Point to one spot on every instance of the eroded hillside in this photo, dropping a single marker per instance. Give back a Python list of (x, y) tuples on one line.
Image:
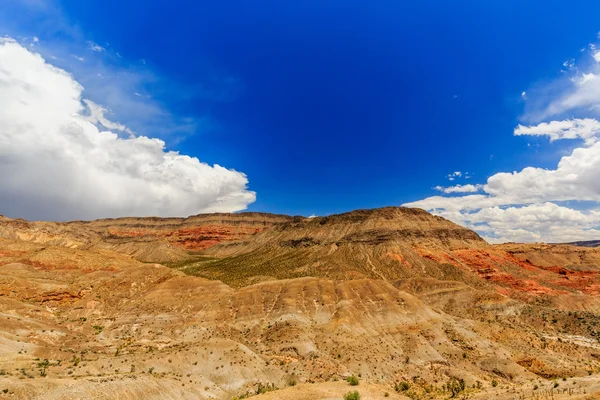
[(409, 303), (167, 240)]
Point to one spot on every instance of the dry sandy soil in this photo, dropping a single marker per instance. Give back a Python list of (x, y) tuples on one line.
[(233, 305)]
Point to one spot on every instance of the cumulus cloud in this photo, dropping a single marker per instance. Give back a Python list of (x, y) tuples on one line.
[(558, 204), (60, 157), (525, 205), (522, 193), (587, 129), (454, 175), (459, 189), (543, 222), (457, 175), (579, 91)]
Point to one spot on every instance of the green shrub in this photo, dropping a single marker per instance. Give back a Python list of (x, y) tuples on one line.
[(494, 383), (455, 386), (352, 380), (269, 387), (352, 395), (401, 386)]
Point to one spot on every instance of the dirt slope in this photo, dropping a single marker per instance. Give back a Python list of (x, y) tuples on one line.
[(408, 302), (164, 240)]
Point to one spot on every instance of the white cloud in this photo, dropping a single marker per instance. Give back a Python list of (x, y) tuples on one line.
[(59, 159), (96, 116), (459, 188), (111, 78), (587, 129), (576, 178), (569, 64), (458, 175), (454, 175), (542, 222), (580, 91), (541, 204), (95, 47)]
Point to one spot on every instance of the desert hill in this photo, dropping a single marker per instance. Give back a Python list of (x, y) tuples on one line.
[(225, 305), (147, 239), (586, 243), (383, 243)]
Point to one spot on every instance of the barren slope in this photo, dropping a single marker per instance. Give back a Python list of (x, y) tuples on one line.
[(107, 320), (391, 295), (166, 240), (381, 244), (404, 244)]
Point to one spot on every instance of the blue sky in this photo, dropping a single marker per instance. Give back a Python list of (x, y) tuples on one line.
[(327, 106)]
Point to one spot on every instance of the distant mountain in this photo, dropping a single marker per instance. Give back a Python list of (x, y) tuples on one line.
[(586, 243)]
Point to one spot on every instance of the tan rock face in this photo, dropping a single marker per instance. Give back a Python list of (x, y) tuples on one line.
[(390, 295), (165, 240)]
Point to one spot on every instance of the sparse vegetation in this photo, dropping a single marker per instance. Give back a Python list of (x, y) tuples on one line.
[(43, 365), (262, 388), (352, 395), (455, 386), (305, 330)]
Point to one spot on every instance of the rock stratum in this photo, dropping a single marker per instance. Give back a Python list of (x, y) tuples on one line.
[(220, 306)]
